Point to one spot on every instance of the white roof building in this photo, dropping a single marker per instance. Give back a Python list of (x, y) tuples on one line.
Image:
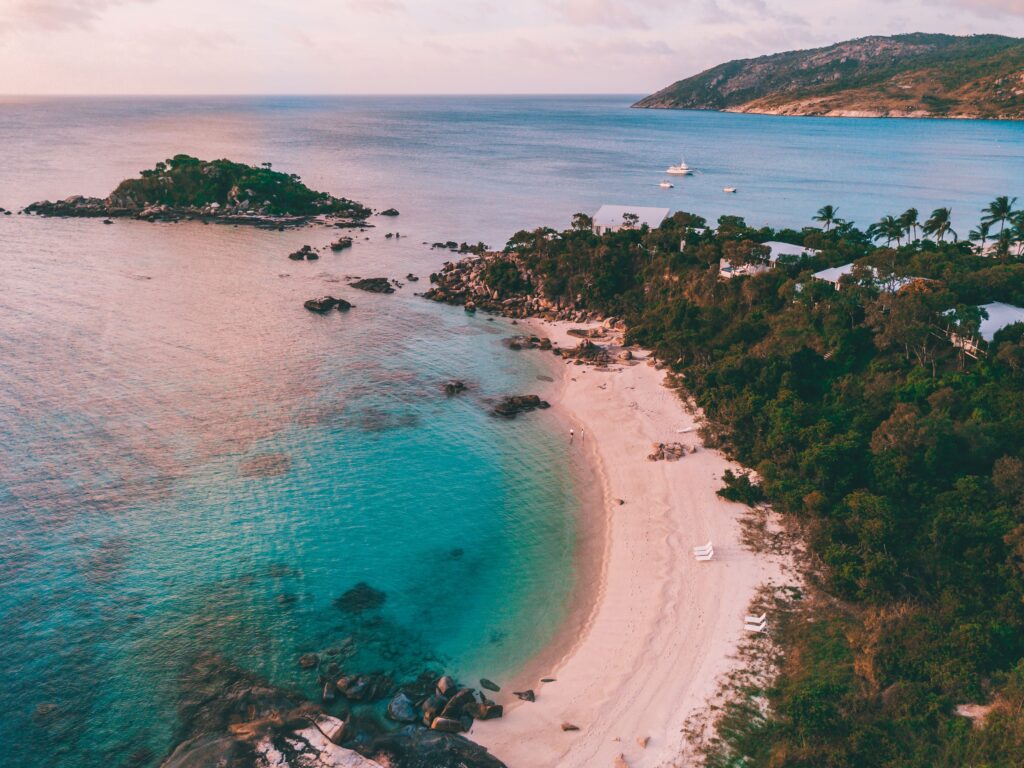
[(787, 249), (889, 284), (834, 274), (609, 217), (999, 316)]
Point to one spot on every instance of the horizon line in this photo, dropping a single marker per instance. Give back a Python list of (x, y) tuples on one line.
[(316, 95)]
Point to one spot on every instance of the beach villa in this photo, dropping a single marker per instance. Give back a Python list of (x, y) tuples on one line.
[(998, 316), (833, 275), (776, 250), (889, 284), (611, 218)]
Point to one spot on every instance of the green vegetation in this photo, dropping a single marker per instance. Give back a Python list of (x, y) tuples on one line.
[(187, 182), (901, 457), (916, 74)]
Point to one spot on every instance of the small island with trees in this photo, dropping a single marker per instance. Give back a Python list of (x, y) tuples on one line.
[(185, 187)]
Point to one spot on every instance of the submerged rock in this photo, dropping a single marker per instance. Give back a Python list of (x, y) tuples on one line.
[(489, 685), (341, 244), (362, 597), (389, 212), (454, 387)]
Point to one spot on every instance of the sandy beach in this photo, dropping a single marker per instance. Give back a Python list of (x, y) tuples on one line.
[(662, 628)]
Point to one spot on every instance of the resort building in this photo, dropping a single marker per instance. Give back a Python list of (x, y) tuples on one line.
[(997, 316), (834, 274), (611, 218), (889, 284), (776, 250)]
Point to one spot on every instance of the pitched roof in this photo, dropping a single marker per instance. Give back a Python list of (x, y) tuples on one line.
[(999, 316), (785, 249)]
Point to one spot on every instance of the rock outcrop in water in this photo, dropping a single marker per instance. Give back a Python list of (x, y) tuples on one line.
[(374, 285), (185, 187), (513, 405), (231, 719), (326, 304)]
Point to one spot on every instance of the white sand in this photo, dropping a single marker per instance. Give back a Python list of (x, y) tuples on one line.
[(664, 628)]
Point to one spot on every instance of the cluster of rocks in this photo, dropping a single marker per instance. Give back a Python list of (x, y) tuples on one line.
[(5, 212), (669, 451), (587, 352), (233, 719), (375, 285), (389, 212), (454, 247), (528, 342), (326, 304), (123, 206), (341, 244), (512, 405), (464, 283), (449, 707), (306, 252)]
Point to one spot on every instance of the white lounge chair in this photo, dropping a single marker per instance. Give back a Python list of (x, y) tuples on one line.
[(756, 623), (703, 557), (702, 549)]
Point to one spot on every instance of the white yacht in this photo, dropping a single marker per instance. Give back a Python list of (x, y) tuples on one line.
[(679, 170), (729, 190), (666, 184)]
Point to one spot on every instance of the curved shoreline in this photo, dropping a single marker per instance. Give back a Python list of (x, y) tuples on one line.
[(660, 630)]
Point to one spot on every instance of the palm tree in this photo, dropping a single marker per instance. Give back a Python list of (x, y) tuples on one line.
[(980, 235), (827, 216), (910, 221), (1017, 232), (888, 228), (939, 224), (999, 210)]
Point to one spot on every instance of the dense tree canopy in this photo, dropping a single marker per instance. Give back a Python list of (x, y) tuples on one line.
[(902, 456)]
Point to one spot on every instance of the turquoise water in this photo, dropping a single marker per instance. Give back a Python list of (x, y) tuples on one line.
[(143, 368)]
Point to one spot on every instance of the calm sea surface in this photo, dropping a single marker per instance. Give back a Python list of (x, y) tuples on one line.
[(191, 462)]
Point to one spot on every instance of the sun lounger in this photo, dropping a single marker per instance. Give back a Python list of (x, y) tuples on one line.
[(703, 557), (756, 623), (703, 548)]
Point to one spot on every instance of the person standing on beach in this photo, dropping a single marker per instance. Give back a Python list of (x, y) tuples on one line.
[(572, 435), (583, 436)]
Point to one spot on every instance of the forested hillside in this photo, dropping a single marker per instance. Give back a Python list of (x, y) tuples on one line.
[(900, 456)]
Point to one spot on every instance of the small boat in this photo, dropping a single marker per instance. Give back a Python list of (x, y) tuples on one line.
[(730, 190), (679, 170), (666, 184)]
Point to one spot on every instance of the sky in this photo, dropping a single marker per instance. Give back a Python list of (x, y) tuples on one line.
[(432, 46)]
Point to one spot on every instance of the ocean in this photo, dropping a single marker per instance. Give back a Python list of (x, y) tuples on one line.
[(192, 463)]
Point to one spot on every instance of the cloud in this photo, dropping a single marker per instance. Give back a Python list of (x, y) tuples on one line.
[(991, 8), (605, 13), (55, 15), (381, 7)]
